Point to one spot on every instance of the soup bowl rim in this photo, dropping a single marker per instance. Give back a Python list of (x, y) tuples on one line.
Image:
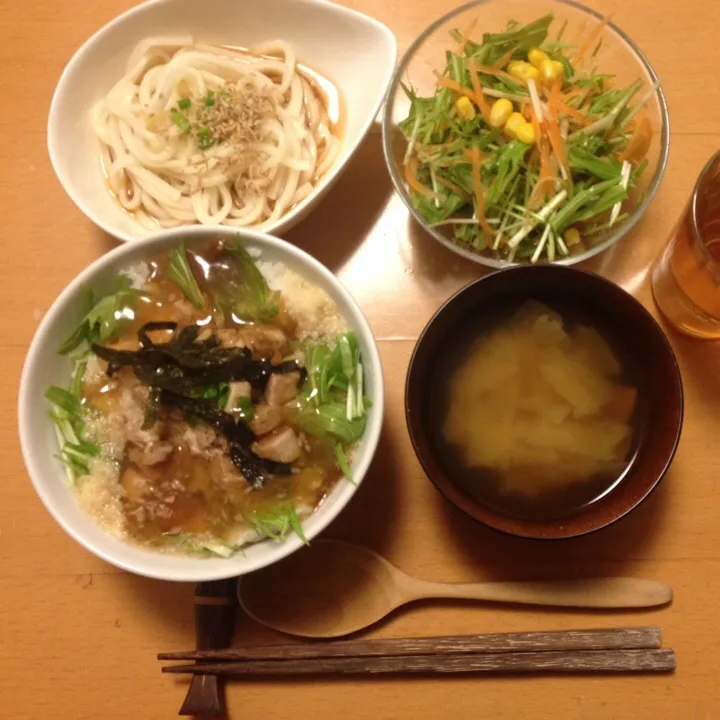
[(551, 529)]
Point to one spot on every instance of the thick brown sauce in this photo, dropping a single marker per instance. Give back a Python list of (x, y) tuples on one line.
[(188, 493)]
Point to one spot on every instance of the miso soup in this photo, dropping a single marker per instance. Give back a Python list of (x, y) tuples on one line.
[(536, 411)]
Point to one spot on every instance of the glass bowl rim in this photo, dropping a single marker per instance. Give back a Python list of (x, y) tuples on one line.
[(623, 229)]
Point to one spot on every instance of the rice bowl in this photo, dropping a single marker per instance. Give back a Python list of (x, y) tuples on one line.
[(322, 308)]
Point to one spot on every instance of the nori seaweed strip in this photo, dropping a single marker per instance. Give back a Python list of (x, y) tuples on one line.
[(177, 370), (247, 463), (194, 367), (151, 411)]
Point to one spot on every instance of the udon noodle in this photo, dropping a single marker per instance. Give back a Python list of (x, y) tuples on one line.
[(213, 135)]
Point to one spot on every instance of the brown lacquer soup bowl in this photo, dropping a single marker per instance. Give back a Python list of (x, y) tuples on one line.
[(580, 299)]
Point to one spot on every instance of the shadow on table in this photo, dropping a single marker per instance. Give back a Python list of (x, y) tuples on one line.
[(345, 216), (436, 263), (369, 518), (503, 557), (168, 603), (617, 261), (700, 360), (104, 241)]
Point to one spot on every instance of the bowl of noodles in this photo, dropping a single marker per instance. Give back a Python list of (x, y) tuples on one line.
[(178, 113), (201, 404)]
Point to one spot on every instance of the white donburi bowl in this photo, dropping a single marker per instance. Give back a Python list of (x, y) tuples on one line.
[(44, 367), (355, 52)]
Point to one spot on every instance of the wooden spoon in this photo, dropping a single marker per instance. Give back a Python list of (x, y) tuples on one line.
[(333, 588)]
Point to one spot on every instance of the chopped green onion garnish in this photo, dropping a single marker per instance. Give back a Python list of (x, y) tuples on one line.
[(180, 120), (205, 140)]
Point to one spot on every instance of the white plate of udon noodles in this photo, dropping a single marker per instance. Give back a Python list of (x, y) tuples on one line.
[(218, 112)]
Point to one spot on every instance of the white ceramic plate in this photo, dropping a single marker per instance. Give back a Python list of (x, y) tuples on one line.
[(44, 367), (355, 52)]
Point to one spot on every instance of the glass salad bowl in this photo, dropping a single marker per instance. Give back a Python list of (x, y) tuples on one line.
[(562, 179)]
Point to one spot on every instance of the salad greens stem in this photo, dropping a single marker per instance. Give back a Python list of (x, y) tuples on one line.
[(609, 120), (539, 217), (181, 274), (624, 178)]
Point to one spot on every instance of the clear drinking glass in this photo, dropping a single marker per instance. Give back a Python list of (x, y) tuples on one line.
[(686, 277)]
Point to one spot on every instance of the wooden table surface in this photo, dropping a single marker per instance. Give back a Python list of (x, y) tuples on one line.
[(78, 638)]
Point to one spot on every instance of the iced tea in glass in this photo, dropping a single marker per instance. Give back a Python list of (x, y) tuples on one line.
[(686, 277)]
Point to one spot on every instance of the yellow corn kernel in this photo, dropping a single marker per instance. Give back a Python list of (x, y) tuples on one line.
[(537, 57), (522, 70), (552, 70), (501, 110), (525, 133), (571, 236), (512, 124), (465, 108)]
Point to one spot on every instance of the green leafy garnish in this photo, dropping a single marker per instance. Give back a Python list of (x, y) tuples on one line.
[(495, 45), (68, 414), (204, 137), (330, 421), (333, 407), (181, 121), (209, 99), (184, 103), (218, 392), (277, 522), (105, 317), (181, 274), (249, 296), (242, 407)]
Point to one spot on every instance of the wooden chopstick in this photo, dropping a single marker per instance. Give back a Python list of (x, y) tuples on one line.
[(564, 661), (627, 638)]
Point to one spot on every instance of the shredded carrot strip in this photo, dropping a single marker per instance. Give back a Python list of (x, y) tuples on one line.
[(567, 97), (639, 142), (459, 89), (526, 113), (477, 87), (553, 129), (468, 152), (594, 35), (414, 183), (546, 179), (478, 190), (547, 174), (466, 36), (573, 113), (502, 60), (452, 186)]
